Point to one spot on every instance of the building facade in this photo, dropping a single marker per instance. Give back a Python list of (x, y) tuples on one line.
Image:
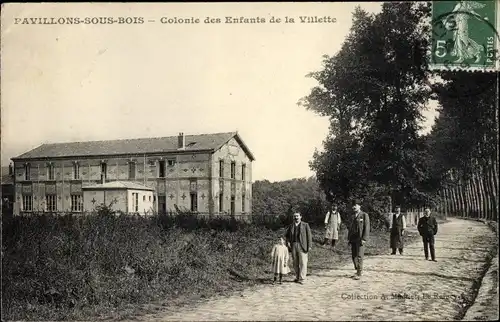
[(123, 196), (7, 199), (204, 174)]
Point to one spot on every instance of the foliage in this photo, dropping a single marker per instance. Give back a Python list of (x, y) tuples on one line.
[(81, 267), (286, 197), (465, 136), (374, 91), (69, 263)]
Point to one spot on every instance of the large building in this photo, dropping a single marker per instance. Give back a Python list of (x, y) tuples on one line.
[(205, 174)]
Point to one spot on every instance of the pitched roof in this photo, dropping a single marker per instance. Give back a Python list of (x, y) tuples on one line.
[(200, 142), (119, 185)]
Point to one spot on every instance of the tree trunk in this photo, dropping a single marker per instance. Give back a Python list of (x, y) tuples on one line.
[(470, 199), (461, 200), (494, 189), (477, 194), (456, 201), (444, 202), (484, 195), (466, 200)]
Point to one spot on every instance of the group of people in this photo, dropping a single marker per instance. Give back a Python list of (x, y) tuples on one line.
[(298, 240)]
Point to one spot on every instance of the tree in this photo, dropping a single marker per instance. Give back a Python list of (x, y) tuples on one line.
[(285, 197), (464, 143), (374, 90)]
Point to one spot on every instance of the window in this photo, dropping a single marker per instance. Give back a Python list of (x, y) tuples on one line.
[(50, 203), (162, 204), (50, 171), (76, 203), (149, 198), (194, 201), (171, 162), (144, 198), (27, 203), (243, 203), (131, 170), (76, 171), (243, 170), (27, 172), (135, 202), (233, 170), (104, 171), (161, 170), (221, 202), (221, 168), (193, 185), (232, 205)]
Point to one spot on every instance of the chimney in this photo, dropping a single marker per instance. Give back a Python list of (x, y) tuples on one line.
[(181, 141)]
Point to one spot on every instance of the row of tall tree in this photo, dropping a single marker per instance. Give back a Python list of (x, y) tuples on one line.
[(464, 145), (375, 91)]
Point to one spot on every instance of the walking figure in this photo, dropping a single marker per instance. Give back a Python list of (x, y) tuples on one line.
[(359, 231), (428, 228)]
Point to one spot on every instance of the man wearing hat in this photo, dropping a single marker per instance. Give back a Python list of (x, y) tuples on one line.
[(428, 227), (359, 231), (397, 226)]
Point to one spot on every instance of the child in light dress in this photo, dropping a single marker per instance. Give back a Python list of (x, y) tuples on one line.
[(279, 257)]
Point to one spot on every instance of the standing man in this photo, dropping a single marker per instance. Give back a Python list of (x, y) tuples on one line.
[(397, 226), (298, 237), (359, 231), (332, 226), (428, 228)]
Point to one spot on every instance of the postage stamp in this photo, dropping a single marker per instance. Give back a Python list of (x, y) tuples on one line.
[(465, 35)]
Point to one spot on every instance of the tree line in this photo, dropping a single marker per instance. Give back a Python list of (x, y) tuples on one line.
[(375, 91)]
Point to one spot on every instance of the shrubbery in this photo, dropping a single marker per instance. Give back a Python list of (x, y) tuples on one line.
[(56, 267)]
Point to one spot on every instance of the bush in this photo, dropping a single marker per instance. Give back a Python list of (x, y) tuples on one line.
[(56, 267)]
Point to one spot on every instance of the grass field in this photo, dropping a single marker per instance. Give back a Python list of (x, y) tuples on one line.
[(69, 268)]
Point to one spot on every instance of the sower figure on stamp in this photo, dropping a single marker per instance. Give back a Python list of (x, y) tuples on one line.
[(397, 226), (359, 231), (428, 227), (332, 225), (299, 240)]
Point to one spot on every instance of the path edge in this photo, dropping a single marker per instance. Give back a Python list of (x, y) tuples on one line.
[(485, 289)]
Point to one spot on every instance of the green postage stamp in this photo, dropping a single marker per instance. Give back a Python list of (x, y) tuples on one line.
[(465, 35)]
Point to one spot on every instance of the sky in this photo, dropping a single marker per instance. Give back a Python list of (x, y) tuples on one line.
[(63, 83)]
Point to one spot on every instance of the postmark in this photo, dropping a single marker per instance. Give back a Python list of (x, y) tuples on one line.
[(464, 36)]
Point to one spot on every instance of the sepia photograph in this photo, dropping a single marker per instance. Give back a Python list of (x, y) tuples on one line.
[(250, 161)]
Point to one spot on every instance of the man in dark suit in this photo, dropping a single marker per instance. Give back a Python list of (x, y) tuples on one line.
[(397, 226), (298, 238), (428, 227), (359, 231)]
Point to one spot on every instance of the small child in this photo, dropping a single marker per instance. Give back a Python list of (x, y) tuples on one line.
[(279, 257)]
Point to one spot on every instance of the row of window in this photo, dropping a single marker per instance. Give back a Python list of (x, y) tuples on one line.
[(77, 202), (132, 170), (233, 203), (233, 170), (51, 203)]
